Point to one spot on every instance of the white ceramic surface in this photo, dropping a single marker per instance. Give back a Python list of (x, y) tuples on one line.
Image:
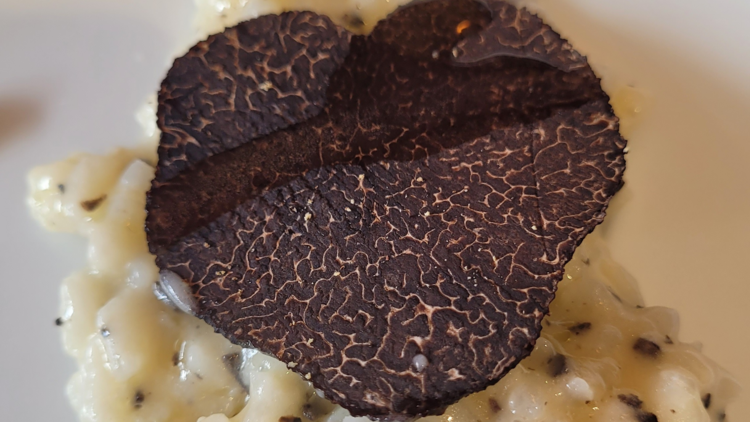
[(73, 72)]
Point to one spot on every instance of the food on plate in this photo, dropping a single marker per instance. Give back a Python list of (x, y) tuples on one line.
[(398, 233), (376, 225)]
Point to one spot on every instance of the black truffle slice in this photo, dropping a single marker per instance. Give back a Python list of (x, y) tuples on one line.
[(520, 35), (402, 246), (257, 77)]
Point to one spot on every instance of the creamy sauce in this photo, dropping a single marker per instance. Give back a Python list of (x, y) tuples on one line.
[(141, 359), (356, 15)]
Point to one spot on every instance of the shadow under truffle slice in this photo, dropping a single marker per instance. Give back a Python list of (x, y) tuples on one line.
[(425, 211)]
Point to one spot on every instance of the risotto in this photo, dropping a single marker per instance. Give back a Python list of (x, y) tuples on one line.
[(602, 356)]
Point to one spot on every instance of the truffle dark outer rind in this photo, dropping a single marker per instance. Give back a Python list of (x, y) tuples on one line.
[(429, 208), (251, 79), (520, 35)]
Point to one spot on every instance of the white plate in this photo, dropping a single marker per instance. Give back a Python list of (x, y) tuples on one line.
[(73, 73)]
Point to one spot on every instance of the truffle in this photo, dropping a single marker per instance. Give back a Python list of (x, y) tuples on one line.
[(647, 348), (558, 365), (92, 204), (494, 405), (631, 400), (234, 363), (580, 328), (421, 200), (138, 399), (252, 79), (646, 416)]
